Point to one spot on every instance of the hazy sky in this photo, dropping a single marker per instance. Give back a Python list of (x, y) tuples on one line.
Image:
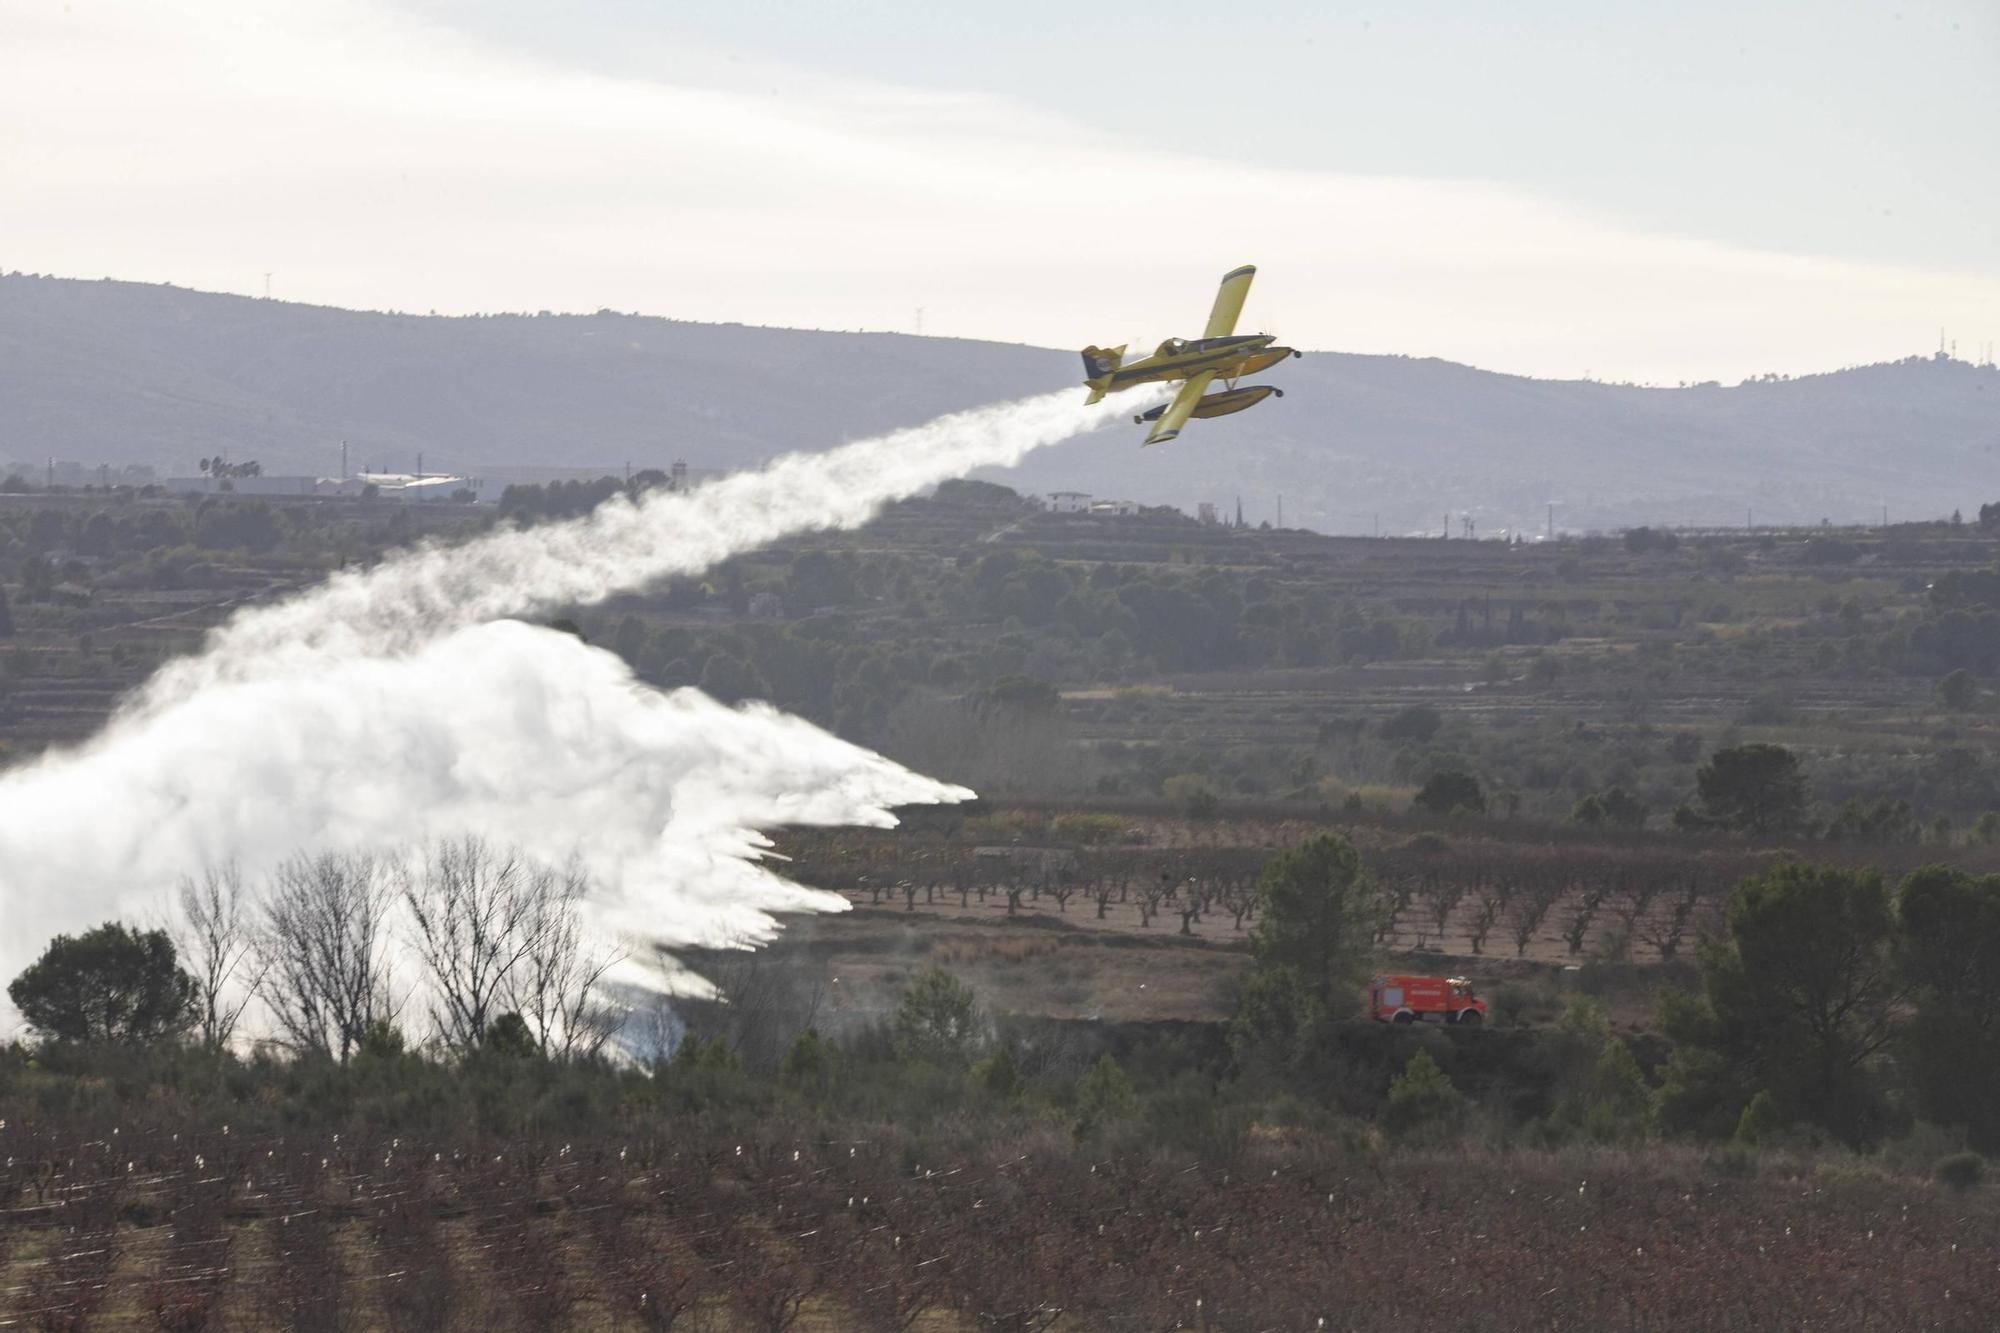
[(1649, 192)]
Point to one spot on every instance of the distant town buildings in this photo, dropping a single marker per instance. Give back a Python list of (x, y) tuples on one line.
[(430, 488), (1080, 502), (438, 487), (1213, 515), (425, 488)]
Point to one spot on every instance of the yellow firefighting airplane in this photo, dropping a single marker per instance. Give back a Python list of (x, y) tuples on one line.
[(1218, 353)]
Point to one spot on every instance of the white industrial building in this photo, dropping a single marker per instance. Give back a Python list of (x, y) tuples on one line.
[(1069, 502), (425, 488), (430, 488)]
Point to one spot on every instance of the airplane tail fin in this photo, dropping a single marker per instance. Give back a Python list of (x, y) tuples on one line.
[(1099, 364)]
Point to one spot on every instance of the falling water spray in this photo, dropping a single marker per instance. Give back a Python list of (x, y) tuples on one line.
[(400, 704)]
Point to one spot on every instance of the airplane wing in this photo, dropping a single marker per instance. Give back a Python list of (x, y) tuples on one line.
[(1177, 411), (1229, 302)]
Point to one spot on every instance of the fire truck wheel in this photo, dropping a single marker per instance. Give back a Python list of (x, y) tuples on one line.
[(1406, 1017), (1469, 1017)]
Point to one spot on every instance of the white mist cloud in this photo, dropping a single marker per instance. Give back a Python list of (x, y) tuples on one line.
[(372, 158), (386, 709), (520, 733)]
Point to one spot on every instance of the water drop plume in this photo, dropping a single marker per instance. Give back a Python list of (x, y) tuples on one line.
[(622, 545), (390, 706)]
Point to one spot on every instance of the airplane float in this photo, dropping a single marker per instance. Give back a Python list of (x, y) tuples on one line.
[(1220, 353)]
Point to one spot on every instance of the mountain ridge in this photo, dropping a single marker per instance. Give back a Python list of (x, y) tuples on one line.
[(116, 372)]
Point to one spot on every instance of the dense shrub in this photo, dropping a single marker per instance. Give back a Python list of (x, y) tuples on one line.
[(1451, 792), (1961, 1170)]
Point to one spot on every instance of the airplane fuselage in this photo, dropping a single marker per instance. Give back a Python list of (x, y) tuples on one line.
[(1176, 359)]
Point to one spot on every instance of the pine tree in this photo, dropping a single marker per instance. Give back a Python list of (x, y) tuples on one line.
[(1422, 1099)]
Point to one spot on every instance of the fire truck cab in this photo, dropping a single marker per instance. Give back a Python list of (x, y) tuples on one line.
[(1425, 1000)]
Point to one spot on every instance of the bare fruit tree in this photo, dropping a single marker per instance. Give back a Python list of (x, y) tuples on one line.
[(217, 944), (472, 921), (323, 951), (760, 1005), (557, 985), (1485, 915)]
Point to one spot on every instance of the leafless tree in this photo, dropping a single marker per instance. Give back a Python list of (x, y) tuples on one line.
[(1239, 898), (762, 1001), (218, 946), (1530, 909), (1666, 933), (323, 951), (557, 984), (1484, 917), (1061, 885), (473, 921), (1441, 896), (1107, 874), (1152, 892), (1636, 902), (1582, 916), (1015, 881), (1401, 887)]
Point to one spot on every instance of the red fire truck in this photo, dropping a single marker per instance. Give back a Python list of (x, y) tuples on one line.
[(1424, 1000)]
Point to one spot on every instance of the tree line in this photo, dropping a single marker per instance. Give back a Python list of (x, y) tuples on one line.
[(497, 938), (1827, 1006)]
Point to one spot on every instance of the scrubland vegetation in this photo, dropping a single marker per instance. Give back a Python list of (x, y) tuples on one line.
[(1713, 821)]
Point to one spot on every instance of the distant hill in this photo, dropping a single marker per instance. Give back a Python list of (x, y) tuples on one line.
[(119, 372)]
